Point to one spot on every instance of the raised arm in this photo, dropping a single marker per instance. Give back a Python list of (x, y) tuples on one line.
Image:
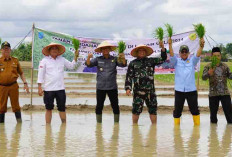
[(202, 44), (121, 57), (170, 47), (163, 58), (91, 63)]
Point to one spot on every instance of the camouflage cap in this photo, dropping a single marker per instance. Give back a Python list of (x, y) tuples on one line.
[(182, 47), (5, 44)]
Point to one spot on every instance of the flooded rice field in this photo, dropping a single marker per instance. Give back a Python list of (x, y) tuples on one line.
[(82, 136)]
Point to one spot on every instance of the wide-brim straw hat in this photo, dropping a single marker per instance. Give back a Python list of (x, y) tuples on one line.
[(61, 48), (105, 44), (148, 49)]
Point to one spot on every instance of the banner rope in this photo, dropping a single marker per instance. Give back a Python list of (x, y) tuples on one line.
[(22, 39), (208, 42)]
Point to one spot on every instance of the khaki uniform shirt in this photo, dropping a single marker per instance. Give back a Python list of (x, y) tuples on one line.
[(10, 70)]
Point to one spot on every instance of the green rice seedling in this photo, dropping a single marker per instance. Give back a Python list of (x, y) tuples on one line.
[(200, 30), (169, 30), (121, 46), (76, 43), (214, 61), (159, 33)]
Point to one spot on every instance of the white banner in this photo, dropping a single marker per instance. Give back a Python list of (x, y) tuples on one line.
[(87, 45)]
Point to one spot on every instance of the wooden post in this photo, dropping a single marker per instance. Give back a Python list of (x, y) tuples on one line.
[(32, 67)]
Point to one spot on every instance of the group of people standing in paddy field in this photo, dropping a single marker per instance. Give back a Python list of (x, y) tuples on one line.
[(139, 81)]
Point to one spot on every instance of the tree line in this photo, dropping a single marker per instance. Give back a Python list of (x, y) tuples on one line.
[(226, 52)]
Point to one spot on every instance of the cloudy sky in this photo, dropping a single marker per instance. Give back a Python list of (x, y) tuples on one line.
[(114, 18)]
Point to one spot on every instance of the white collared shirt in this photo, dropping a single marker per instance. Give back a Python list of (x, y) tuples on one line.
[(51, 72)]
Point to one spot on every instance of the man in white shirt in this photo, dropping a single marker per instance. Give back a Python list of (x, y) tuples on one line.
[(51, 75)]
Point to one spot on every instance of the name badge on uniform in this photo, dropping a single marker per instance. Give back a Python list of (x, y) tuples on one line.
[(101, 69), (188, 61)]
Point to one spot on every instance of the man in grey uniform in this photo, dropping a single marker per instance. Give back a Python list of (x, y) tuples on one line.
[(106, 78)]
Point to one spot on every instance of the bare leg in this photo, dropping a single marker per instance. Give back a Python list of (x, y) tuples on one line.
[(135, 118), (48, 116), (153, 118), (63, 116)]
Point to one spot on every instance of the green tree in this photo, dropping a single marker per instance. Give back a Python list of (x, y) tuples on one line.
[(223, 52), (229, 48), (23, 52)]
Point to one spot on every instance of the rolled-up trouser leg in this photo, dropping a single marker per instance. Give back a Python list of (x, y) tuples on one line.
[(14, 97), (113, 96), (179, 104), (2, 117), (4, 91), (213, 106), (151, 102), (101, 96), (192, 99), (227, 107), (18, 116)]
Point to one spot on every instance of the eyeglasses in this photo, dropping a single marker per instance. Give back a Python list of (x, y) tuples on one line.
[(184, 51)]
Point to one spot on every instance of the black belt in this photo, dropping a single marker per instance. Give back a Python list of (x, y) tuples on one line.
[(8, 84)]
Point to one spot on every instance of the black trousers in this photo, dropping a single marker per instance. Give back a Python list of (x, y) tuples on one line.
[(226, 105), (179, 103), (60, 97), (113, 96)]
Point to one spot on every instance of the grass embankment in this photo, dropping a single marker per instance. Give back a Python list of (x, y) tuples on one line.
[(170, 78), (161, 78)]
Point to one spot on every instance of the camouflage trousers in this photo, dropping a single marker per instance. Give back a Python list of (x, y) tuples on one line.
[(150, 99)]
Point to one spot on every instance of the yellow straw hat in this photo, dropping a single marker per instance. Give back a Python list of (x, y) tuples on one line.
[(148, 49), (61, 48), (105, 44)]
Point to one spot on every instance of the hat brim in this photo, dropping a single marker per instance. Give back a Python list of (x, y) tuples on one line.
[(112, 47), (134, 53), (61, 48)]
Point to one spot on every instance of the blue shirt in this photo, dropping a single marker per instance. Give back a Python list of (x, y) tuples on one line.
[(185, 73)]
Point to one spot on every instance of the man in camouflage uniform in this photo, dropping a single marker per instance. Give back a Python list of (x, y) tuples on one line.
[(218, 90), (140, 73)]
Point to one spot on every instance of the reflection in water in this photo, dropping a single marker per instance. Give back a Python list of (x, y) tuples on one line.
[(103, 149), (3, 140), (151, 146), (49, 143), (192, 144), (113, 150), (139, 147), (215, 148), (14, 147), (81, 137), (53, 146), (61, 141), (178, 142), (100, 148)]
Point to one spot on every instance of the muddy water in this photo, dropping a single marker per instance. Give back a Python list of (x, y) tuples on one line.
[(81, 136)]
